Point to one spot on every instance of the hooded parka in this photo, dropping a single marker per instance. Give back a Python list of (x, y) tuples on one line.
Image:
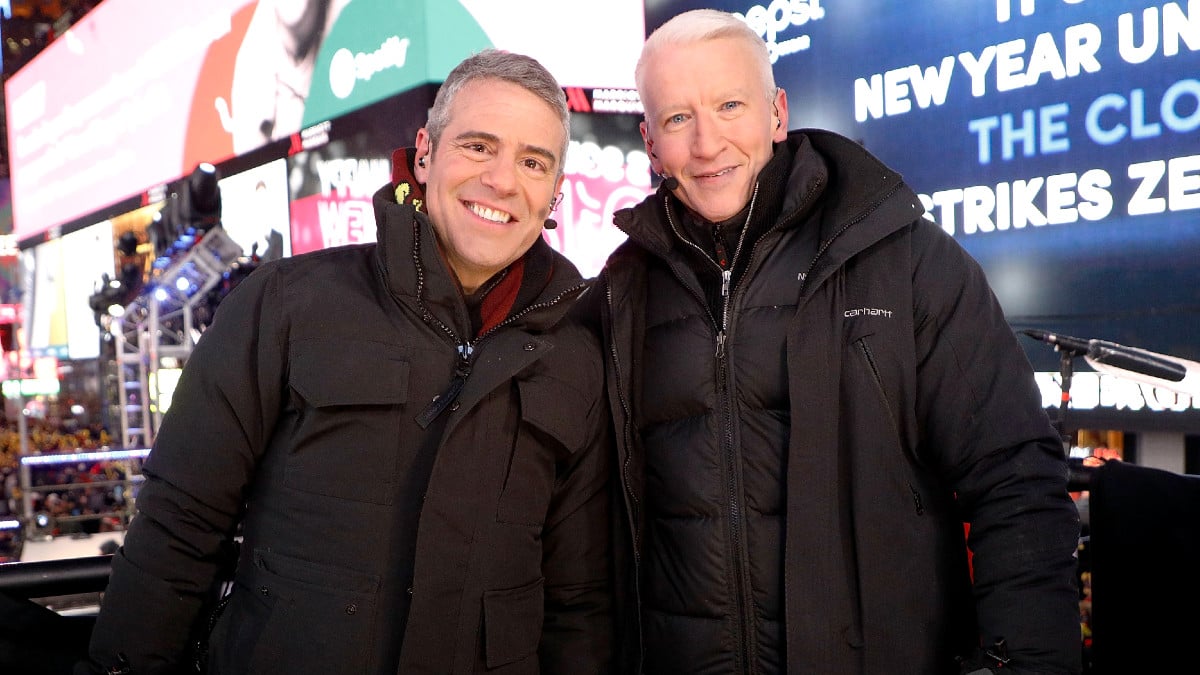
[(798, 456), (415, 499)]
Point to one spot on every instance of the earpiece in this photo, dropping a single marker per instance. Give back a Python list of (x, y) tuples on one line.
[(421, 162)]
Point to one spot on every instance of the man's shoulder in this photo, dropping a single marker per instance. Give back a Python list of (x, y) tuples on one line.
[(628, 252), (334, 257), (326, 269)]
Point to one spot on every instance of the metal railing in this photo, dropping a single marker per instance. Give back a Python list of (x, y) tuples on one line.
[(47, 578)]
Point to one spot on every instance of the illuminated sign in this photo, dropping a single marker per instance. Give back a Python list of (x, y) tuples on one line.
[(93, 120), (1095, 390), (1058, 141), (36, 387)]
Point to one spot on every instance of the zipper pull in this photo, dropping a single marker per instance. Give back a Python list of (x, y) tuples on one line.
[(726, 276), (452, 390), (720, 344), (719, 241)]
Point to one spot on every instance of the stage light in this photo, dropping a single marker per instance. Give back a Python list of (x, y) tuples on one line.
[(161, 295)]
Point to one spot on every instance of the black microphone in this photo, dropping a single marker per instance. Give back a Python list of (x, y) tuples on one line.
[(670, 183), (1063, 343), (1115, 355)]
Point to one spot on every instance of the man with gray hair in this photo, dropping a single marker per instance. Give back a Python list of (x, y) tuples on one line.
[(813, 389), (411, 435)]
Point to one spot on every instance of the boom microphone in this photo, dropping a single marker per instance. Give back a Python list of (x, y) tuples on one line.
[(1118, 356)]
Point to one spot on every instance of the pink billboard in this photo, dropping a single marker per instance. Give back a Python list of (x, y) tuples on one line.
[(93, 120)]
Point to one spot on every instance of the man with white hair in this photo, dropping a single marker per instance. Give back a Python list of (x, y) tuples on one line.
[(814, 388)]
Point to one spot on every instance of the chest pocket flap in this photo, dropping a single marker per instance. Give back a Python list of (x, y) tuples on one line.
[(555, 408), (343, 444), (349, 372), (553, 425)]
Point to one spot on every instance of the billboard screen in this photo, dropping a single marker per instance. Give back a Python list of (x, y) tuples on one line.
[(1057, 140), (132, 97), (61, 276), (254, 210), (606, 170)]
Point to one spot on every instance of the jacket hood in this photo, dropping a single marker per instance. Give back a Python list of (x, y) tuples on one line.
[(864, 199), (854, 187)]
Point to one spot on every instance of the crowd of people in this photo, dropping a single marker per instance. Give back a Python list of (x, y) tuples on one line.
[(65, 498)]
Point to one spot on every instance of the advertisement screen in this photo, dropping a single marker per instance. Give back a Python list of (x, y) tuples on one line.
[(88, 260), (606, 170), (92, 120), (1058, 141), (132, 97), (45, 306), (61, 275), (331, 188), (254, 210)]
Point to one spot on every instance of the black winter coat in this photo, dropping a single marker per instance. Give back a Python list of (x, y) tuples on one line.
[(867, 376), (299, 407)]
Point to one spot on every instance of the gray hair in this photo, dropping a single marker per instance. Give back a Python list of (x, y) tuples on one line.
[(494, 64), (702, 25)]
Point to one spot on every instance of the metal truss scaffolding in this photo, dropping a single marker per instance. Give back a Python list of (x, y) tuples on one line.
[(160, 324)]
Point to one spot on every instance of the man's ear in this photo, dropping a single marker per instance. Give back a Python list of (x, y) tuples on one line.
[(781, 112), (421, 156), (655, 165)]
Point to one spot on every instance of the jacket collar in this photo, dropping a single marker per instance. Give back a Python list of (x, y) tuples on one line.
[(411, 264), (863, 202), (861, 199)]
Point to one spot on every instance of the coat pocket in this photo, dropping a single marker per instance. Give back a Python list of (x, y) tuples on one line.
[(553, 425), (512, 624), (313, 618), (348, 396)]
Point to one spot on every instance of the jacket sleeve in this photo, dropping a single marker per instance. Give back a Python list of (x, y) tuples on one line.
[(197, 476), (577, 636), (983, 426)]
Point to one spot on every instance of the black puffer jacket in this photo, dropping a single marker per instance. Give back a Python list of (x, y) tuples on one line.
[(797, 470), (485, 525)]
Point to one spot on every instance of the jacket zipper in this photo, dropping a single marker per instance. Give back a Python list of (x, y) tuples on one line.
[(466, 352), (466, 348), (741, 579), (634, 504), (918, 504), (726, 272)]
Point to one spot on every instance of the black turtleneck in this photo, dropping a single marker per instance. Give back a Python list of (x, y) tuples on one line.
[(719, 241)]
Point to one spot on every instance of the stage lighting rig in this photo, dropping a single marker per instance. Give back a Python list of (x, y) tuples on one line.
[(193, 207)]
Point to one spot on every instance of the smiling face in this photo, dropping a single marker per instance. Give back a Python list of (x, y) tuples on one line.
[(491, 178), (710, 122)]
